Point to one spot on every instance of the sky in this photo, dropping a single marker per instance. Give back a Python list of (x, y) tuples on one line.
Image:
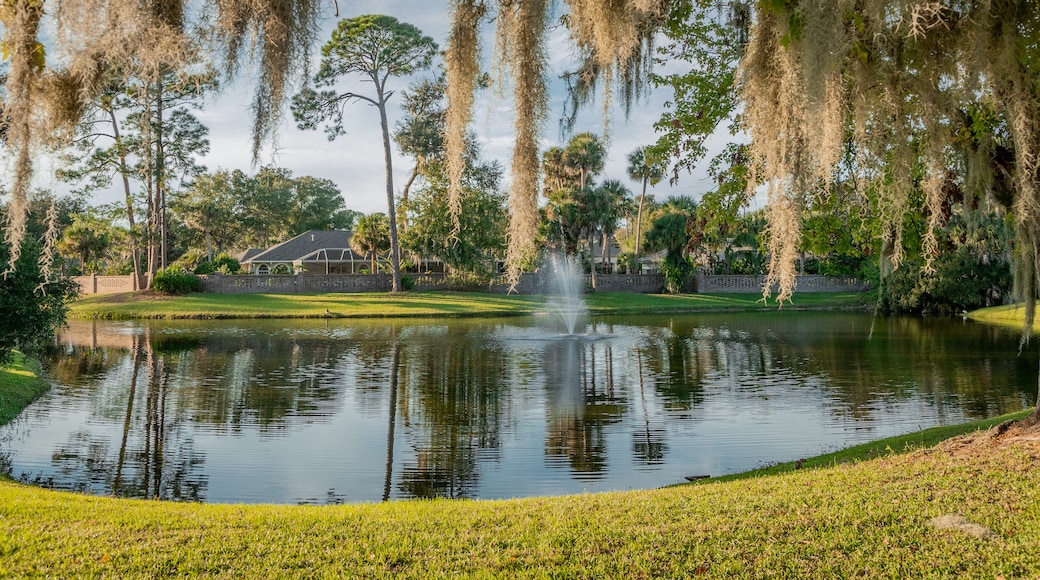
[(355, 161)]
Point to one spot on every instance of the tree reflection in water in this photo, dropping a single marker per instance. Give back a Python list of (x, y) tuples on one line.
[(332, 411)]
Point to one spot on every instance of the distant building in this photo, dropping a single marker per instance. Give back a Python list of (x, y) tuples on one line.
[(312, 252), (315, 252)]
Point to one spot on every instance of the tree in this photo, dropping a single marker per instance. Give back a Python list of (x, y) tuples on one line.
[(420, 135), (318, 205), (584, 157), (670, 231), (208, 207), (477, 244), (376, 48), (947, 88), (371, 236), (642, 167), (265, 200), (88, 237), (32, 304)]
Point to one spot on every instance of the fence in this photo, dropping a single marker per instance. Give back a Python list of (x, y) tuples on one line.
[(105, 284), (529, 283), (710, 284)]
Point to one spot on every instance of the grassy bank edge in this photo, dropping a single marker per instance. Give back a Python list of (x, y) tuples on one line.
[(898, 444), (441, 304), (1009, 315), (20, 385)]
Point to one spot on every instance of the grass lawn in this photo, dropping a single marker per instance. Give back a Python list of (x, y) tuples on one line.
[(20, 385), (875, 518), (423, 304), (1012, 315)]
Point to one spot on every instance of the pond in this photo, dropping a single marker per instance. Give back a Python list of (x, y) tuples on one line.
[(332, 411)]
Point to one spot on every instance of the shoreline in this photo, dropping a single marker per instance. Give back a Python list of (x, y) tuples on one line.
[(867, 510), (133, 306)]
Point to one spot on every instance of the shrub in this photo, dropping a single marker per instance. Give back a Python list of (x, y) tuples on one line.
[(31, 305), (225, 263), (173, 280), (466, 282)]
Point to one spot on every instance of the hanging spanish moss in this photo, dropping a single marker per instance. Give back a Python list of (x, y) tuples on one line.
[(521, 43), (278, 34), (615, 41), (21, 20), (462, 63), (932, 97)]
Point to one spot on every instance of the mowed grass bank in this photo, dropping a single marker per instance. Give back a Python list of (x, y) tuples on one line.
[(875, 518), (20, 385), (1011, 315), (424, 304)]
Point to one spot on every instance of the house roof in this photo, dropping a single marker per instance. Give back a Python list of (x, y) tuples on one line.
[(311, 246), (248, 254)]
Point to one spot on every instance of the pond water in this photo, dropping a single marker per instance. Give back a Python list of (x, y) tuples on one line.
[(331, 411)]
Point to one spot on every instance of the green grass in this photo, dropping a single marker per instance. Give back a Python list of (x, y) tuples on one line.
[(867, 519), (421, 304), (882, 447), (1011, 315), (20, 385)]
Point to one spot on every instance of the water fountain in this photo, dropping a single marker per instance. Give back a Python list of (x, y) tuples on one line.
[(566, 298)]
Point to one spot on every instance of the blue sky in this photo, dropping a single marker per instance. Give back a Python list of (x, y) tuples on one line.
[(355, 161)]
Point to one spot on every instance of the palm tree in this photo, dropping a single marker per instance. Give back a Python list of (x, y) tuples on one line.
[(614, 198), (585, 155), (641, 167), (371, 236)]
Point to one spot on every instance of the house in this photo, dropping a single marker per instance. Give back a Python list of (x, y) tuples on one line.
[(312, 252)]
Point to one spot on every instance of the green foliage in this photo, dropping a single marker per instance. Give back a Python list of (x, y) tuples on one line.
[(960, 283), (668, 232), (972, 269), (713, 37), (371, 237), (461, 281), (173, 281), (478, 243), (31, 305), (226, 264)]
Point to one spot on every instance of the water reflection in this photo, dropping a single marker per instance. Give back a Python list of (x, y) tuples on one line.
[(330, 411)]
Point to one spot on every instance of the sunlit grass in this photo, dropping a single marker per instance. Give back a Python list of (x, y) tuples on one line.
[(868, 519), (19, 386), (421, 304), (1011, 315)]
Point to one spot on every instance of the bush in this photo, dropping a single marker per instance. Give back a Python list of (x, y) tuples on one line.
[(959, 283), (226, 264), (466, 281), (31, 306), (173, 280)]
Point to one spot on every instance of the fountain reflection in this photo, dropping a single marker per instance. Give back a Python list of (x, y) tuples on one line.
[(332, 411)]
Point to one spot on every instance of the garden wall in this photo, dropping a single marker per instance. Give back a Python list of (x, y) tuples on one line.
[(753, 284), (104, 284), (297, 283), (529, 283)]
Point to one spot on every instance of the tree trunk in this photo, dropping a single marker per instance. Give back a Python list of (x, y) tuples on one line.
[(395, 248), (637, 267), (123, 171), (592, 259), (160, 189)]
